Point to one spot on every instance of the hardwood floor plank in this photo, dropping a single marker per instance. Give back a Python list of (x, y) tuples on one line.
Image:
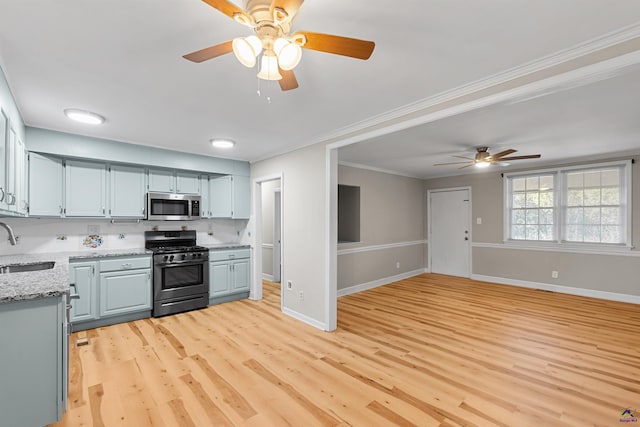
[(430, 350)]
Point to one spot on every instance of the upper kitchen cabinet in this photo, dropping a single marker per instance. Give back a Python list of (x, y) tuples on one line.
[(127, 192), (229, 197), (85, 189), (4, 123), (162, 181), (45, 186), (187, 183), (168, 181), (14, 183), (205, 205)]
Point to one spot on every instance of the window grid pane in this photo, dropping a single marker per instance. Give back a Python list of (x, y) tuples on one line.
[(532, 208), (593, 213)]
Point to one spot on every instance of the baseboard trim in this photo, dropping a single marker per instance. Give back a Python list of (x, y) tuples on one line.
[(305, 319), (592, 293), (379, 282), (268, 277)]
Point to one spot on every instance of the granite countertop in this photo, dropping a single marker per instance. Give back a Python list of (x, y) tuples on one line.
[(226, 246), (48, 283)]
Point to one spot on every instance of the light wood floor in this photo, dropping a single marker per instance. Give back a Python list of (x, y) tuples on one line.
[(429, 351)]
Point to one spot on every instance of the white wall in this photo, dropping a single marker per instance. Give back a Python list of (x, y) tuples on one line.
[(46, 235), (304, 229)]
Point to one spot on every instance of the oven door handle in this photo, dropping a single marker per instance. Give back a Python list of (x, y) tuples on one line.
[(180, 263)]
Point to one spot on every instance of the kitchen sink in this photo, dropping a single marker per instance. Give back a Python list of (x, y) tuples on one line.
[(36, 266)]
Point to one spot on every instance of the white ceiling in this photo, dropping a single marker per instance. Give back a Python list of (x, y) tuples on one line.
[(123, 59)]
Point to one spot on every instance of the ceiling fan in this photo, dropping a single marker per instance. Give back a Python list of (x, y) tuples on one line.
[(281, 51), (483, 158)]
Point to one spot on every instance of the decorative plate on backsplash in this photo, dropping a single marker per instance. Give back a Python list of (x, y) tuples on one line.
[(93, 241)]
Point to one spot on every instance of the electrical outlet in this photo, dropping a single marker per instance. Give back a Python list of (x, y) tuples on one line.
[(289, 285), (479, 221), (397, 264), (554, 274), (301, 295)]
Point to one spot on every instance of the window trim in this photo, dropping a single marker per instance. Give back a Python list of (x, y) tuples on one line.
[(559, 198)]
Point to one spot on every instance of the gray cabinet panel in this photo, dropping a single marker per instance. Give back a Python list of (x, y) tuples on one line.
[(127, 192), (85, 189), (221, 197), (32, 362), (4, 123), (187, 183), (125, 292), (161, 180), (45, 186), (82, 277), (241, 197)]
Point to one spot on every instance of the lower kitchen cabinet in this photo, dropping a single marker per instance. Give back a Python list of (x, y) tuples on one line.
[(125, 292), (33, 361), (109, 291), (229, 272), (82, 280)]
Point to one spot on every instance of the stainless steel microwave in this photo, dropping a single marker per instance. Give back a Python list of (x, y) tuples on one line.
[(172, 207)]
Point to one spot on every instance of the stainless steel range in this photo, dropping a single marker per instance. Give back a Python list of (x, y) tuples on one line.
[(180, 271)]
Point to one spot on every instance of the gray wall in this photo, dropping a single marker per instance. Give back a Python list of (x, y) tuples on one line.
[(392, 211), (618, 273), (267, 226)]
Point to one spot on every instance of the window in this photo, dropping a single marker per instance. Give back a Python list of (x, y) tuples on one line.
[(575, 205)]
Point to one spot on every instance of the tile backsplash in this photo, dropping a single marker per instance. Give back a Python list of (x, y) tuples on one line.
[(71, 235)]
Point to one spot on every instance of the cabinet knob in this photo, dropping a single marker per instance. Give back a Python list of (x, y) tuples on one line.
[(2, 197)]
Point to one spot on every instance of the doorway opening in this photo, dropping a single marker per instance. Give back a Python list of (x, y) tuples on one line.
[(267, 263)]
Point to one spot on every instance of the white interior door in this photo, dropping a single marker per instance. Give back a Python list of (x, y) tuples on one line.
[(449, 234), (277, 266)]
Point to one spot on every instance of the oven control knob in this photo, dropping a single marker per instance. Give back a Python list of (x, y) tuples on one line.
[(183, 256), (171, 258), (164, 258)]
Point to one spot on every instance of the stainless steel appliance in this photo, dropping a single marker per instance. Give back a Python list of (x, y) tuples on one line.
[(173, 207), (180, 271)]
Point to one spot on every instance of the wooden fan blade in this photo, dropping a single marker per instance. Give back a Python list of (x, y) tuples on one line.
[(452, 163), (466, 158), (209, 52), (502, 154), (225, 7), (288, 80), (532, 156), (354, 48), (468, 166), (290, 6)]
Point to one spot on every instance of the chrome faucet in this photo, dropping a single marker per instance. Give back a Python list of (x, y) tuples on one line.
[(12, 237)]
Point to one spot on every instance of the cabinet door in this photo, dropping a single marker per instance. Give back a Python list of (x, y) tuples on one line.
[(21, 204), (11, 170), (188, 183), (220, 197), (205, 208), (125, 292), (161, 180), (127, 192), (240, 269), (219, 278), (4, 123), (85, 189), (241, 197), (82, 277), (45, 185)]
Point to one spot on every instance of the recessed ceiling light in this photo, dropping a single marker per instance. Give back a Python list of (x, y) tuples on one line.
[(222, 143), (83, 116)]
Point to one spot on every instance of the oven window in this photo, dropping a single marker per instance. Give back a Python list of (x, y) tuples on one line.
[(169, 207), (182, 275)]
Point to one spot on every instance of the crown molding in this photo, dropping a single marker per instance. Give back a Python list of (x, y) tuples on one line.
[(400, 118), (375, 169)]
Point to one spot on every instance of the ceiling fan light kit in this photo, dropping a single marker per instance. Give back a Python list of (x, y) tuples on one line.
[(271, 21), (484, 159)]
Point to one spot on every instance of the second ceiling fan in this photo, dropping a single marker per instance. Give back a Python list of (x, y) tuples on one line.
[(281, 51), (483, 158)]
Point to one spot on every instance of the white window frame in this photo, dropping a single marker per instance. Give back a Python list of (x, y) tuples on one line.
[(559, 207)]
